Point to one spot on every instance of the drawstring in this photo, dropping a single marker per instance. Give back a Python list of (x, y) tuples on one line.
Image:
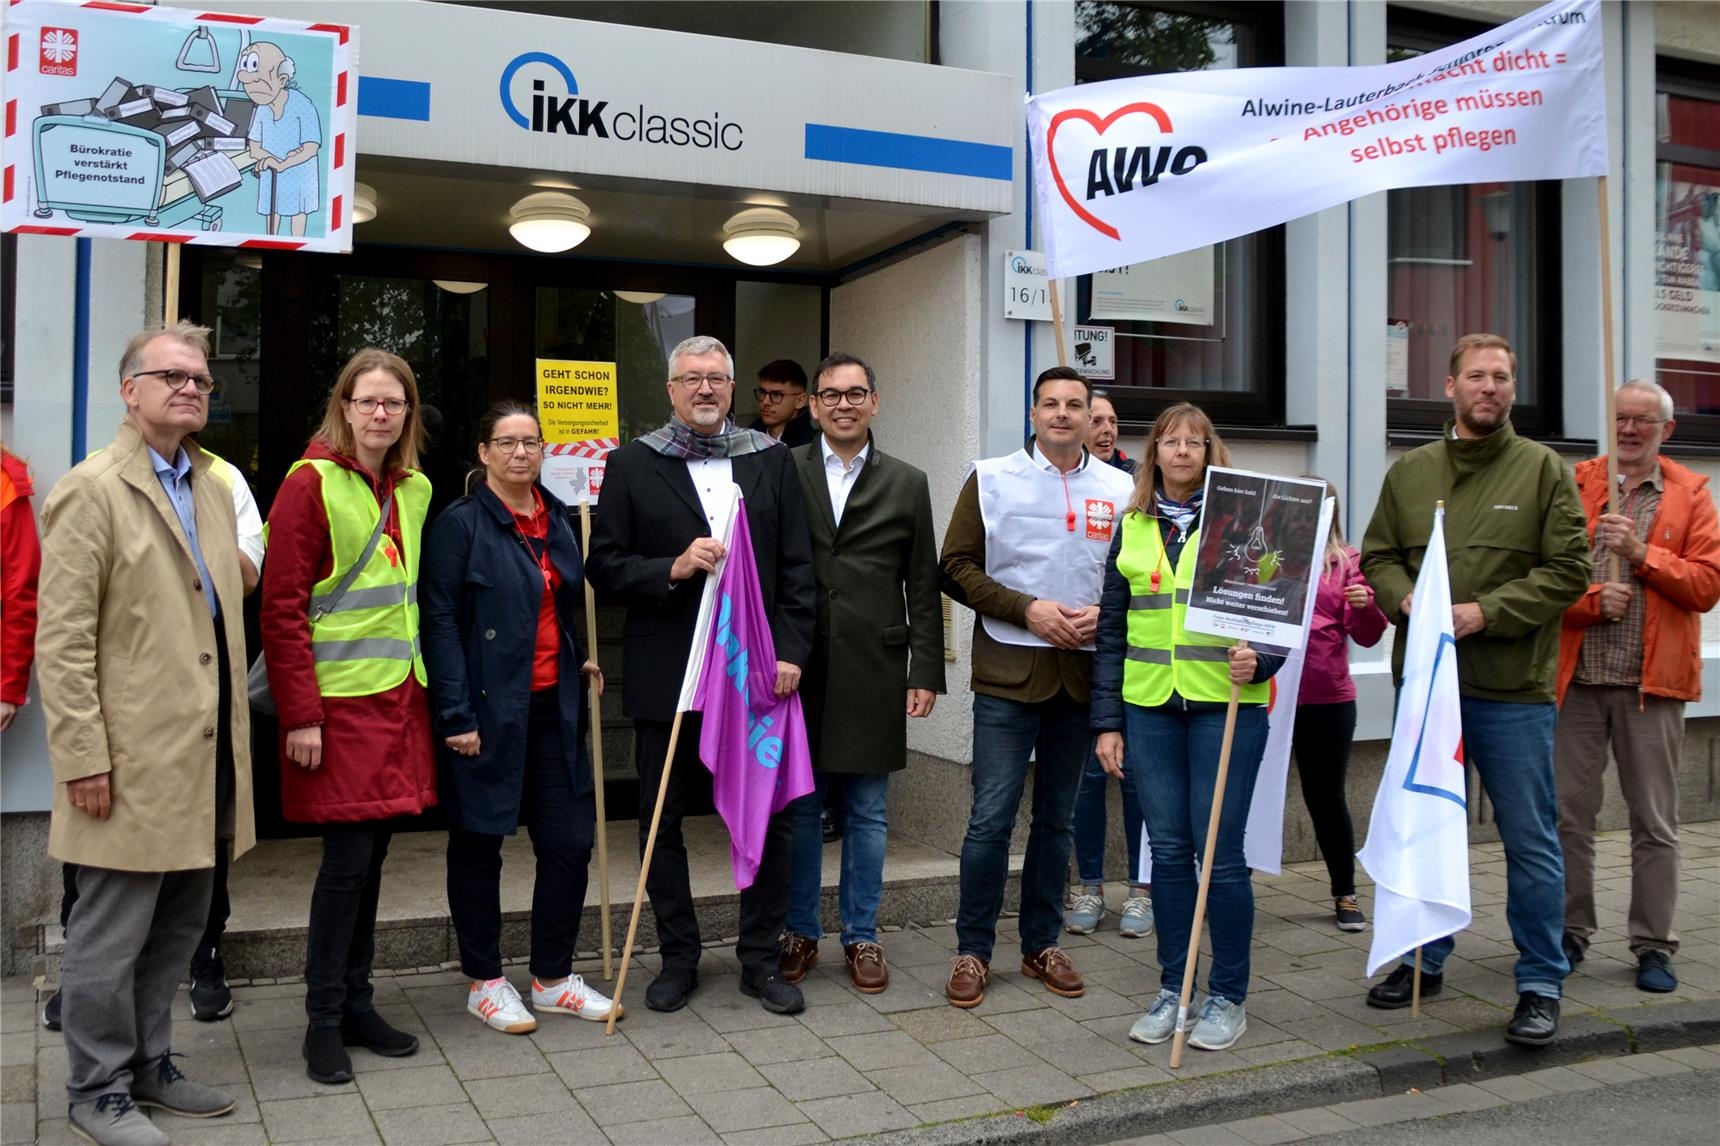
[(1068, 504)]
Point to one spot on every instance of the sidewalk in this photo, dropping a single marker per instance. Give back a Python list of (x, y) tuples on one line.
[(724, 1070)]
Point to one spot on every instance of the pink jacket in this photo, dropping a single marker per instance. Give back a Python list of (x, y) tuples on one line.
[(1326, 672)]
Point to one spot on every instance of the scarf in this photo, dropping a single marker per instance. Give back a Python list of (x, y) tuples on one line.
[(679, 440), (1182, 513)]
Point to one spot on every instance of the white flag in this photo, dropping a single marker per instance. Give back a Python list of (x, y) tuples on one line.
[(708, 604), (1418, 840), (1139, 168)]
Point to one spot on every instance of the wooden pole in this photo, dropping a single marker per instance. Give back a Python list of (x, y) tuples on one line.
[(1205, 873), (597, 747), (1609, 431), (1415, 987), (1057, 324), (644, 869), (170, 287)]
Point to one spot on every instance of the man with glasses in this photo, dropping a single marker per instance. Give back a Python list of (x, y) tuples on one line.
[(782, 409), (1629, 659), (142, 671), (877, 660), (652, 546)]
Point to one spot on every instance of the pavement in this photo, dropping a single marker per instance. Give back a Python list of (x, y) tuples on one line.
[(905, 1066)]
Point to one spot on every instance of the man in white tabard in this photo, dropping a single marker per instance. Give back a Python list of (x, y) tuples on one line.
[(1026, 551)]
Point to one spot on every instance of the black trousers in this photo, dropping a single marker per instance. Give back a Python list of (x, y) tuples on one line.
[(1322, 744), (562, 828), (340, 943), (764, 905)]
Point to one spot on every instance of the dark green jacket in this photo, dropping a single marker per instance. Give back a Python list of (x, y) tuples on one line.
[(1516, 544)]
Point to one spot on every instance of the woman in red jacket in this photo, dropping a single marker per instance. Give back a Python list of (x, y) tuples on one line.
[(20, 564), (348, 683)]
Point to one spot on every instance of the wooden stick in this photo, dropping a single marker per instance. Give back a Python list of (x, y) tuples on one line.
[(1609, 432), (1415, 987), (597, 746), (170, 286), (644, 869), (1205, 874), (1057, 324)]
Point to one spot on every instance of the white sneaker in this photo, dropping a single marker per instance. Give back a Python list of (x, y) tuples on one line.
[(499, 1005), (1137, 918), (1221, 1023), (573, 997)]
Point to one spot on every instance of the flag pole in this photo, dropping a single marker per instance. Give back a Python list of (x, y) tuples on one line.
[(1206, 871), (1415, 987), (1609, 431), (1057, 324), (170, 287), (644, 870), (597, 745)]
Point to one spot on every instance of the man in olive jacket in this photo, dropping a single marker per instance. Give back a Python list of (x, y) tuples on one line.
[(1518, 553), (877, 658), (142, 671)]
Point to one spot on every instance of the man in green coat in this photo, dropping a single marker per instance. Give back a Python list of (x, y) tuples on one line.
[(877, 658), (1518, 552)]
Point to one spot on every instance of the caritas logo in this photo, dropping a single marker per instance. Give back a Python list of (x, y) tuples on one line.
[(1117, 170), (59, 52)]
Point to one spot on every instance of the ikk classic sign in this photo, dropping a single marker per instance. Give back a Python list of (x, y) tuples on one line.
[(129, 121)]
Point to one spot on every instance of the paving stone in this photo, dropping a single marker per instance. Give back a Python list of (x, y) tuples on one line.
[(686, 1129), (1562, 1080), (798, 1134), (59, 1132), (1126, 1078), (18, 1121), (1392, 1108), (314, 1119), (432, 1126), (702, 1074), (1514, 1087), (418, 1086), (993, 1052), (674, 1035), (1265, 1130), (734, 1110), (852, 1114), (1034, 1085), (1207, 1136), (486, 1054), (942, 1024), (572, 1127), (1464, 1098), (877, 1051), (845, 1018), (1086, 1054), (630, 1102), (220, 1132), (1658, 1064), (819, 1078), (618, 1062), (527, 1094), (1610, 1071), (778, 1044), (915, 1085)]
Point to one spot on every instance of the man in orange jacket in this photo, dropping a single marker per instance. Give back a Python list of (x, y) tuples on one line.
[(1629, 657)]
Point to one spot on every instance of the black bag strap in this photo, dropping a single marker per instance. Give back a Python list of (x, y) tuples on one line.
[(332, 600)]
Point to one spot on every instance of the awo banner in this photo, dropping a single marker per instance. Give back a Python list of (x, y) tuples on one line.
[(1140, 168)]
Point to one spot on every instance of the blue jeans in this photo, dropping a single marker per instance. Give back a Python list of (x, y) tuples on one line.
[(1171, 753), (862, 857), (1511, 747), (1091, 826), (1006, 733)]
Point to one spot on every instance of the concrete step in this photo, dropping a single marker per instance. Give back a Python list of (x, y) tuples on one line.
[(271, 892)]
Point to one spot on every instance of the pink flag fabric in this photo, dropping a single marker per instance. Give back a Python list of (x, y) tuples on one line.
[(754, 744)]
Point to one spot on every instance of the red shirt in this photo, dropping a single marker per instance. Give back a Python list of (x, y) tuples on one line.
[(534, 528)]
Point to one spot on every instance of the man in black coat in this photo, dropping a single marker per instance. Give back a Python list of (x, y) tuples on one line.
[(782, 403), (651, 549)]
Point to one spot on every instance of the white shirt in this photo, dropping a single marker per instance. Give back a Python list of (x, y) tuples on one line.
[(712, 478), (840, 476)]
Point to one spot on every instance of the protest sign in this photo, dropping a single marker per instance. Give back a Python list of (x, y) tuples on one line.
[(1258, 559), (579, 413)]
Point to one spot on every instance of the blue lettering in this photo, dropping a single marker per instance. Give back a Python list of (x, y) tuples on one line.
[(757, 727), (768, 752)]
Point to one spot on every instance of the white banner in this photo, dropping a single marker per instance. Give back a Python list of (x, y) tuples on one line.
[(1140, 168)]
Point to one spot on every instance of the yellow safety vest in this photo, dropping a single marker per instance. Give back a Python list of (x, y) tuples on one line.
[(369, 641), (1162, 656)]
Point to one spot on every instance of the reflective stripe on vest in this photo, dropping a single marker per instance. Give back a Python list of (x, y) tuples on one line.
[(367, 643), (1162, 657)]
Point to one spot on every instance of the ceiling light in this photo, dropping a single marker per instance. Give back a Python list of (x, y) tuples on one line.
[(550, 221), (640, 296), (454, 287), (761, 236), (363, 203)]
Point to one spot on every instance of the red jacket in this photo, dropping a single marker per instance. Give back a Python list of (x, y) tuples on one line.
[(20, 566), (377, 756), (1326, 665), (1680, 580)]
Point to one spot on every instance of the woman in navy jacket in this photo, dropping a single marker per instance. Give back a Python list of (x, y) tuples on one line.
[(501, 563)]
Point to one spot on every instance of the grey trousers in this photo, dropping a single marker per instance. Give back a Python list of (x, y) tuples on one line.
[(128, 941)]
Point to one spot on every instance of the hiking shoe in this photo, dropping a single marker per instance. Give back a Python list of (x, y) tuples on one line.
[(1085, 911), (573, 996), (774, 993), (796, 955), (1160, 1021), (669, 990), (326, 1060), (51, 1012), (167, 1088), (1136, 922), (497, 1003), (1395, 992), (1221, 1023), (1535, 1021), (968, 977), (1654, 972), (371, 1031), (113, 1119), (211, 998), (1349, 914)]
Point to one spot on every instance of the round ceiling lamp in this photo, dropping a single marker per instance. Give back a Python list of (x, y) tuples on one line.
[(640, 297), (453, 286), (550, 221), (363, 203), (761, 236)]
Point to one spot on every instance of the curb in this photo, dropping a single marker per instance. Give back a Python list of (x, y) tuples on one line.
[(1446, 1060)]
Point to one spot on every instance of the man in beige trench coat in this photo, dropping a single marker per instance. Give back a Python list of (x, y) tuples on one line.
[(142, 667)]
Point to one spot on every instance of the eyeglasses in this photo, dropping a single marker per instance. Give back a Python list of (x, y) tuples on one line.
[(1624, 420), (771, 396), (856, 396), (1178, 443), (509, 445), (176, 380), (394, 406), (694, 381)]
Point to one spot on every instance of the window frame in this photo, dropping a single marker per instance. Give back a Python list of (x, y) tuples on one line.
[(1673, 76)]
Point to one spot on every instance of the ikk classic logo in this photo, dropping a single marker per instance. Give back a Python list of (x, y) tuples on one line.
[(556, 107), (1115, 171), (59, 52)]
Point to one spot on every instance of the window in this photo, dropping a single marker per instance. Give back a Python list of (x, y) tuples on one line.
[(1687, 250), (1207, 325), (1462, 260)]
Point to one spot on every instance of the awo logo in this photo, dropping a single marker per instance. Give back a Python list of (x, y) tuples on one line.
[(1118, 170), (59, 52), (559, 109)]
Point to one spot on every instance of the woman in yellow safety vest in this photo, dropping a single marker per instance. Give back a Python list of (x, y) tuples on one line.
[(340, 637), (1160, 695)]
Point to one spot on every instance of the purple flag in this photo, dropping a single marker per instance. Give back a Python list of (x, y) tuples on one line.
[(754, 744)]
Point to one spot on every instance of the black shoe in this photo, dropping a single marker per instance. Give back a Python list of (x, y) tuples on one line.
[(1395, 992), (829, 829), (371, 1031), (1535, 1022), (211, 998), (1654, 972), (326, 1059), (1573, 949), (776, 994), (51, 1012), (669, 990)]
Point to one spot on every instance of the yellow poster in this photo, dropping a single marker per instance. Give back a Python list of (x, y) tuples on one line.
[(577, 400)]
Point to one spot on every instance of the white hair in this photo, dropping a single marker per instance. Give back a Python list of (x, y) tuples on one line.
[(697, 345), (1657, 390)]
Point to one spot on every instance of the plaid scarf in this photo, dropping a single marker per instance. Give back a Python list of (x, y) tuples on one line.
[(679, 440)]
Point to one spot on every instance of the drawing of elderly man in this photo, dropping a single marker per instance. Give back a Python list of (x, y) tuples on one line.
[(284, 138)]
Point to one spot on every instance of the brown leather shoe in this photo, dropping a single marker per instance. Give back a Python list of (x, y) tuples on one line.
[(866, 967), (798, 956), (968, 977), (1053, 968)]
